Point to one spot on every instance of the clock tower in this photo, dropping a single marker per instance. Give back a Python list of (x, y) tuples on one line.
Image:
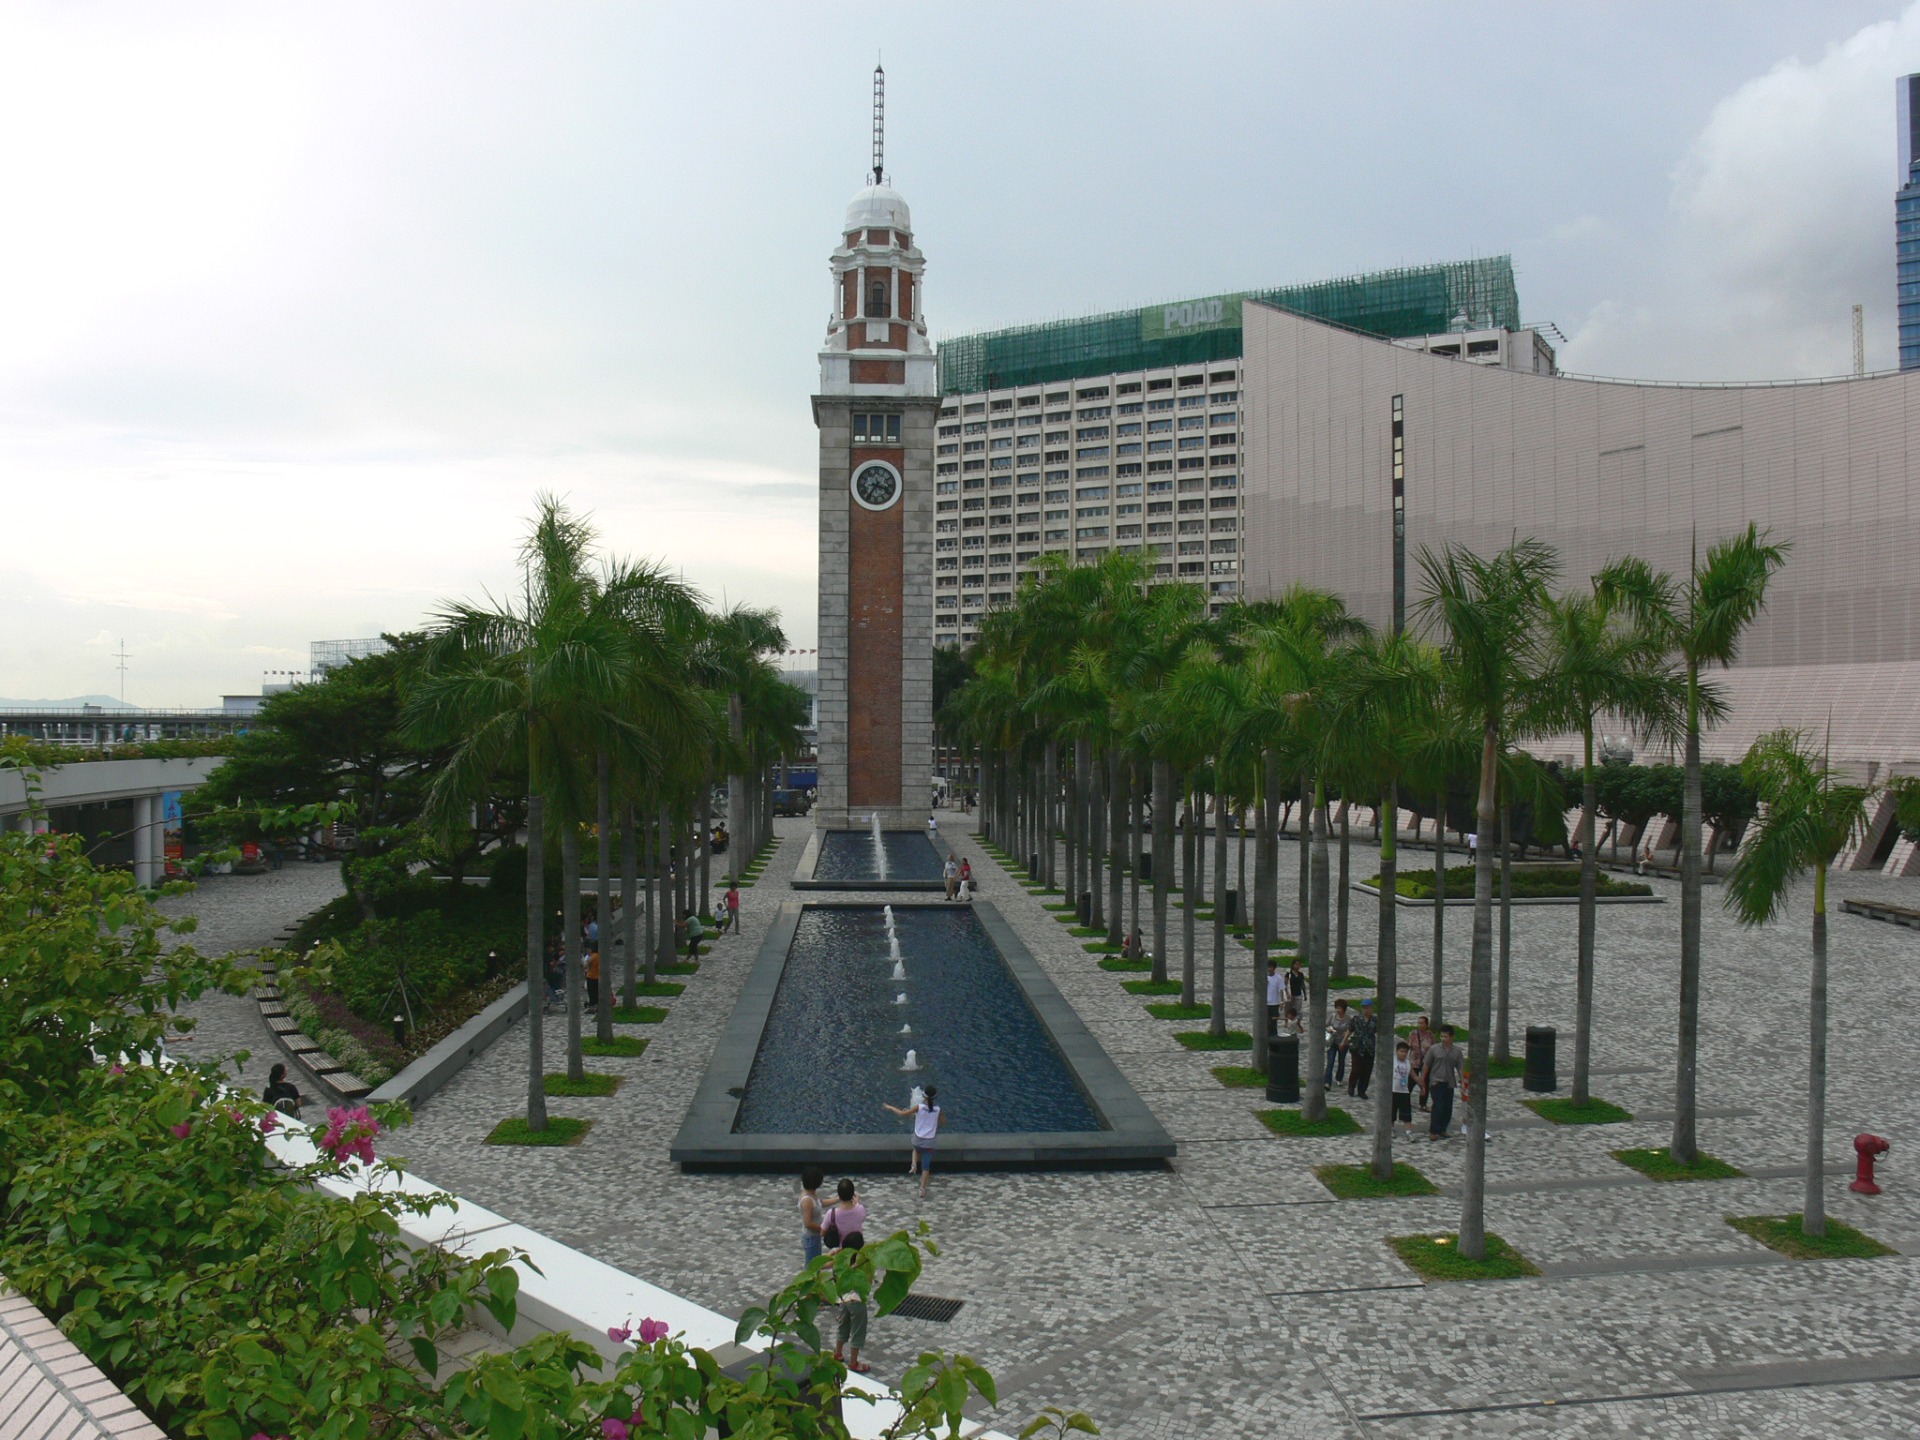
[(879, 397)]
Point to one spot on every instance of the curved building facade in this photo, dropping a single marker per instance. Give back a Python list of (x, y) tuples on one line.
[(1600, 469)]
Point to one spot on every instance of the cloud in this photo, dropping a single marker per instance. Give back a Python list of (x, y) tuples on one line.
[(1780, 219)]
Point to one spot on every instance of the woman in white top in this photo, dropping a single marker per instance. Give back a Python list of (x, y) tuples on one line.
[(926, 1129)]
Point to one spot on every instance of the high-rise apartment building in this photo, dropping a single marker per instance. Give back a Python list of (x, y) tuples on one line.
[(1125, 431), (1906, 219)]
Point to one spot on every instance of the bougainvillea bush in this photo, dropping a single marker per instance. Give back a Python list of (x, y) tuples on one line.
[(143, 1207)]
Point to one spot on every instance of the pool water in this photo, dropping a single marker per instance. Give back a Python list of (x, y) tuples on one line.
[(848, 855), (831, 1051)]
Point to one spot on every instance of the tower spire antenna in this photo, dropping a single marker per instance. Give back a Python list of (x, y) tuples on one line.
[(879, 125)]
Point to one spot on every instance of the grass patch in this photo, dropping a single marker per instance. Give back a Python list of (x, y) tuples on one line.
[(1564, 1112), (1356, 1182), (561, 1130), (1151, 987), (1135, 966), (1087, 932), (1511, 1069), (589, 1084), (660, 989), (1350, 982), (1201, 1040), (1783, 1233), (1101, 947), (638, 1014), (1438, 1257), (1660, 1165), (624, 1047), (1180, 1012), (1240, 1077), (1291, 1123), (676, 967)]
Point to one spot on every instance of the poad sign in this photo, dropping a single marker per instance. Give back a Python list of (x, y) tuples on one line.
[(1190, 317)]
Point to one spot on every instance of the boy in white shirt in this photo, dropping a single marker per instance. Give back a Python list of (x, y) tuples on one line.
[(1403, 1089)]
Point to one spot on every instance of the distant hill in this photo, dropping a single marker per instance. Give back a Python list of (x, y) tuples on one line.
[(72, 702)]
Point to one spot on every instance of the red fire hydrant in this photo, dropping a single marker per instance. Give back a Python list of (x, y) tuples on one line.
[(1866, 1147)]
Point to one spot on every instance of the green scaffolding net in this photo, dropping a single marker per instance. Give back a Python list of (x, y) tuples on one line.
[(1393, 304)]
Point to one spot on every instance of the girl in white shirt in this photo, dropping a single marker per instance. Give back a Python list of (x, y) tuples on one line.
[(926, 1130)]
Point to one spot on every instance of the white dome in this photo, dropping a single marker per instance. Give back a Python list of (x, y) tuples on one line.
[(878, 207)]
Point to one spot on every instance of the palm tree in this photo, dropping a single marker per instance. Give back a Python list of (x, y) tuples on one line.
[(1702, 625), (1488, 613), (1390, 683), (1598, 662), (1808, 820), (553, 678)]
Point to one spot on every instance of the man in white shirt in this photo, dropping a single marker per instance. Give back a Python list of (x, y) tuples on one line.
[(1276, 996)]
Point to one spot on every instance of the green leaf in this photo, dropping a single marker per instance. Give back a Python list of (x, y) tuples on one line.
[(504, 1422), (427, 1354)]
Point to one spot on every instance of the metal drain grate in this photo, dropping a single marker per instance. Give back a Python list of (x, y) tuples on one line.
[(929, 1307)]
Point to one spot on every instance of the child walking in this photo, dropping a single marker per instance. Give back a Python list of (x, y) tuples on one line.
[(926, 1129)]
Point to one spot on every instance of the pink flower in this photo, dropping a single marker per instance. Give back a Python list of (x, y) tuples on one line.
[(269, 1122), (614, 1429), (652, 1330), (182, 1130), (350, 1132), (116, 1069), (619, 1334)]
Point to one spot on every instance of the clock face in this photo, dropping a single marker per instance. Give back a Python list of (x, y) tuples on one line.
[(876, 485)]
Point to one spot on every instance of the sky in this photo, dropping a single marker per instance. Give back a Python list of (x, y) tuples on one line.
[(302, 306)]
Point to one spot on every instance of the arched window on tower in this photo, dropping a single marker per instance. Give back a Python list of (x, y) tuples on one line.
[(877, 303)]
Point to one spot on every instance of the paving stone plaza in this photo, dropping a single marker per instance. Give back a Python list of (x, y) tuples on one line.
[(1232, 1295)]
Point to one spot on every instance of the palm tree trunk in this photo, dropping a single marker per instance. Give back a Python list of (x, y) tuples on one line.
[(1136, 836), (629, 898), (536, 961), (1589, 892), (1096, 834), (1314, 1107), (1813, 1212), (1685, 1145), (1069, 838), (663, 862), (1218, 1023), (1116, 843), (1245, 896), (1502, 1045), (1189, 898), (1305, 915), (1265, 862), (1162, 860), (1387, 978), (650, 858), (570, 929), (603, 898), (1050, 795), (1439, 908), (1340, 903), (1473, 1188)]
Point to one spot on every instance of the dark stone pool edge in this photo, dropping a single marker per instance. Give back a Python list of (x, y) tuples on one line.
[(810, 860), (707, 1141)]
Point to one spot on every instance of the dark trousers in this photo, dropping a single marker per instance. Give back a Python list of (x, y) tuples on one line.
[(593, 993), (1440, 1096), (1273, 1021), (1362, 1073)]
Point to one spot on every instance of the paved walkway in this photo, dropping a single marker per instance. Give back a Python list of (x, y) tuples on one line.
[(1232, 1296)]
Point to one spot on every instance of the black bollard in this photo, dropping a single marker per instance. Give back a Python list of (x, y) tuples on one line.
[(1146, 865), (1086, 907), (1283, 1070), (399, 1029), (1538, 1076), (1033, 867), (1233, 907)]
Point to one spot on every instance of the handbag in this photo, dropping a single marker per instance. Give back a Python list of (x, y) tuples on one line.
[(830, 1232)]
